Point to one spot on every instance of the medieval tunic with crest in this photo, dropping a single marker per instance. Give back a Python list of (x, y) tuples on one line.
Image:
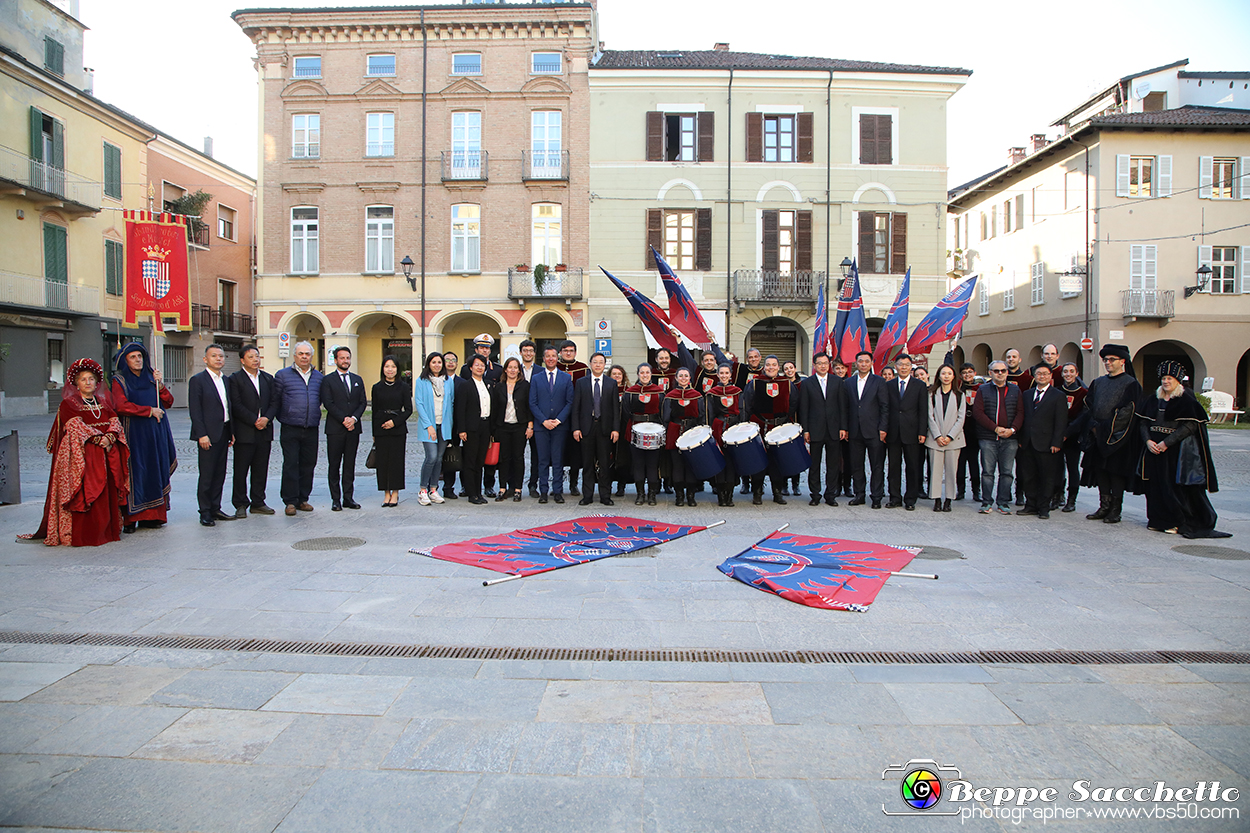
[(724, 408), (641, 403), (770, 402), (682, 410)]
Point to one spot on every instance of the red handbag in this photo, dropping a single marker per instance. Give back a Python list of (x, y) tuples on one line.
[(492, 455)]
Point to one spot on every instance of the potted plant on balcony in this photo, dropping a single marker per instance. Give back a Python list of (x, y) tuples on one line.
[(522, 267), (540, 276), (562, 267)]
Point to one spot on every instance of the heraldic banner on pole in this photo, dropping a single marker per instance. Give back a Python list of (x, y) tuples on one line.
[(156, 268)]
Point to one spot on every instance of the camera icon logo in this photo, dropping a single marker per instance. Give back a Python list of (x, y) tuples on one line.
[(920, 787)]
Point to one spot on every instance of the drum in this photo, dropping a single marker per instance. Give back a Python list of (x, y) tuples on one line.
[(701, 453), (787, 450), (648, 436), (745, 447)]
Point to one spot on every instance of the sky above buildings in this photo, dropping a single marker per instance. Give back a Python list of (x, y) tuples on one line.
[(186, 68)]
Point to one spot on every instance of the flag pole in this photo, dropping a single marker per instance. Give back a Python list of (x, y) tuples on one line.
[(916, 575)]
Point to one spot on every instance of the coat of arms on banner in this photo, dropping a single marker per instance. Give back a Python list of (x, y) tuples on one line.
[(156, 272)]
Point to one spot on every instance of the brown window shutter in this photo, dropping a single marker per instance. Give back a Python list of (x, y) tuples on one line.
[(655, 235), (770, 242), (707, 136), (867, 140), (885, 141), (655, 137), (703, 240), (802, 241), (755, 137), (866, 247), (805, 124), (898, 244)]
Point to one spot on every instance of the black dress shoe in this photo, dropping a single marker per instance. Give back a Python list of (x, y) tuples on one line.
[(894, 504), (542, 498), (833, 501), (222, 516), (262, 510), (336, 507), (1070, 506), (779, 499), (534, 491), (450, 494), (207, 522), (1028, 510), (558, 498), (815, 501), (856, 501), (516, 497), (478, 500), (757, 499), (586, 501), (910, 507), (1043, 514), (745, 490), (240, 513), (607, 501), (573, 491), (129, 528), (351, 504), (785, 490), (876, 504)]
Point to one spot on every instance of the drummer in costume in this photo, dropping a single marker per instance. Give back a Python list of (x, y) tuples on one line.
[(573, 450), (640, 406), (744, 375), (681, 411), (1109, 439), (769, 405), (724, 408), (622, 466), (791, 372)]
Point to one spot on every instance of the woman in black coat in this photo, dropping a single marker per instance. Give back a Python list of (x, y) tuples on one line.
[(512, 426), (392, 405), (473, 420)]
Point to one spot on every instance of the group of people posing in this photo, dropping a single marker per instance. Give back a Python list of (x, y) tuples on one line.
[(861, 432)]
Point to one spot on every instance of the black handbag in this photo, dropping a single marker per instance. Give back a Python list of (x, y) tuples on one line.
[(371, 462), (452, 458)]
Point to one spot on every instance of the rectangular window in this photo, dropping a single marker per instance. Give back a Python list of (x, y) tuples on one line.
[(1223, 175), (226, 292), (680, 137), (56, 359), (306, 136), (466, 63), (545, 244), (304, 241), (112, 171), (308, 66), (225, 222), (786, 244), (114, 267), (985, 229), (53, 56), (177, 363), (1140, 176), (1223, 270), (778, 138), (876, 140), (1147, 176), (380, 65), (983, 291), (379, 134), (683, 237), (1019, 212), (679, 242), (466, 238), (545, 63), (1009, 291), (882, 245), (466, 144), (380, 239), (1008, 217), (545, 141), (1037, 294)]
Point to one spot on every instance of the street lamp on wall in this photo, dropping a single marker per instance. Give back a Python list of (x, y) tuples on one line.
[(407, 263), (1204, 278), (845, 266)]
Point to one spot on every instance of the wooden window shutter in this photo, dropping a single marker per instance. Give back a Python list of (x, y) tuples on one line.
[(655, 137), (707, 137), (898, 244), (802, 241), (1245, 270), (703, 240), (655, 235), (1121, 174), (867, 140), (1242, 183), (58, 146), (885, 140), (1164, 182), (1206, 175), (755, 137), (770, 261), (866, 247), (805, 137), (36, 134)]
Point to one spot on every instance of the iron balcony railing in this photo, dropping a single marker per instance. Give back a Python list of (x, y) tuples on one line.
[(1148, 303), (197, 233), (222, 321), (545, 164), (465, 164), (22, 170), (34, 291), (558, 285), (768, 285)]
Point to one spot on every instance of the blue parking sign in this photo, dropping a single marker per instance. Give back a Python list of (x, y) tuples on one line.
[(604, 346)]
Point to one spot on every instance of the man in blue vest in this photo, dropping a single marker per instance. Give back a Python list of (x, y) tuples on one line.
[(298, 392)]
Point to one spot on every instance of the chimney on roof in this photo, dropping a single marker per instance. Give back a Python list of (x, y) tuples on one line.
[(208, 145), (721, 47), (600, 46), (1015, 155), (89, 77), (1038, 141)]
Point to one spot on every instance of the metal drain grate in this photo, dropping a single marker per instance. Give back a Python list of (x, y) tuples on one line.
[(937, 553), (1208, 551), (327, 544), (358, 649)]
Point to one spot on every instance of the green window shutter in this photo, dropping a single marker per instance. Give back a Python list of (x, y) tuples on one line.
[(55, 260), (58, 146), (36, 134), (114, 266), (53, 56), (112, 171)]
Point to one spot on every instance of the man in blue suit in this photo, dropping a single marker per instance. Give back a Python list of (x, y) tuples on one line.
[(869, 412), (551, 401)]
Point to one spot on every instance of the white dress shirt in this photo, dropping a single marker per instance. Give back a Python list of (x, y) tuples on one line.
[(220, 384)]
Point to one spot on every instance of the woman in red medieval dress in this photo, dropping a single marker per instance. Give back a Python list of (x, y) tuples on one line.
[(87, 486)]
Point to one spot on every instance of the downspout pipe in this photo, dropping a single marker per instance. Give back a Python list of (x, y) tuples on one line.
[(828, 195), (729, 204), (1089, 272)]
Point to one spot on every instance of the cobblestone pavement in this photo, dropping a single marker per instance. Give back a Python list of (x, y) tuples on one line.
[(117, 737)]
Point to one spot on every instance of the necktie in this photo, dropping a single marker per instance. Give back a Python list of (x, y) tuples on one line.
[(902, 387), (347, 384), (1037, 397), (551, 379), (596, 400)]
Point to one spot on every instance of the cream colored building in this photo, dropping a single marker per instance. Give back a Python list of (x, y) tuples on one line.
[(756, 175), (1100, 233), (340, 199)]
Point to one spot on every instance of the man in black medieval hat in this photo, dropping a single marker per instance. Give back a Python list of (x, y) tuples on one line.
[(1109, 438)]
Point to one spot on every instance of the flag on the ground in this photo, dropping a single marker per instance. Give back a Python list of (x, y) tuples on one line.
[(653, 318), (819, 572), (682, 313), (855, 327), (944, 321), (894, 331), (613, 532), (156, 281), (820, 340)]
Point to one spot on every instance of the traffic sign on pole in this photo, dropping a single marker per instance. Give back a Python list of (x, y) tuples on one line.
[(1087, 344)]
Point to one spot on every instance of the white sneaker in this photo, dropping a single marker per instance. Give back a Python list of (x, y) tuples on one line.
[(423, 497), (436, 497)]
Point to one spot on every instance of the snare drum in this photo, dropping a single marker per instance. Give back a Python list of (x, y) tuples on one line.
[(698, 448), (647, 436), (745, 447), (787, 450)]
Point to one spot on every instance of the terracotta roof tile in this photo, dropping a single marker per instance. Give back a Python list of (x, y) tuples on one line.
[(715, 59), (1188, 116)]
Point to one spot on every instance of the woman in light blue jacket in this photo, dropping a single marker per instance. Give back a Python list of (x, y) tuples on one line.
[(434, 394)]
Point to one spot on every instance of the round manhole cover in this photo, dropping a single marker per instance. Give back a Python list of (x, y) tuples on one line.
[(1208, 551), (937, 553), (324, 544)]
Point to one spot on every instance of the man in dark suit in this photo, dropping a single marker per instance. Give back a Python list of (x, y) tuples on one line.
[(909, 422), (551, 403), (343, 395), (208, 405), (596, 425), (868, 406), (1045, 420), (823, 412), (253, 407)]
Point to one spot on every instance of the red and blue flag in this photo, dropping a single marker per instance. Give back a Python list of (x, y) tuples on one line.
[(944, 321), (820, 340), (894, 332), (682, 313), (818, 572), (854, 335), (653, 318)]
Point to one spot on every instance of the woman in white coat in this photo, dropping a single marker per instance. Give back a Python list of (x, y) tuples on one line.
[(947, 411)]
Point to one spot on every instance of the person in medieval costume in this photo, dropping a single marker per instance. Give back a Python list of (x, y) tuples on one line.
[(1175, 471), (88, 481), (141, 399), (1109, 440)]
